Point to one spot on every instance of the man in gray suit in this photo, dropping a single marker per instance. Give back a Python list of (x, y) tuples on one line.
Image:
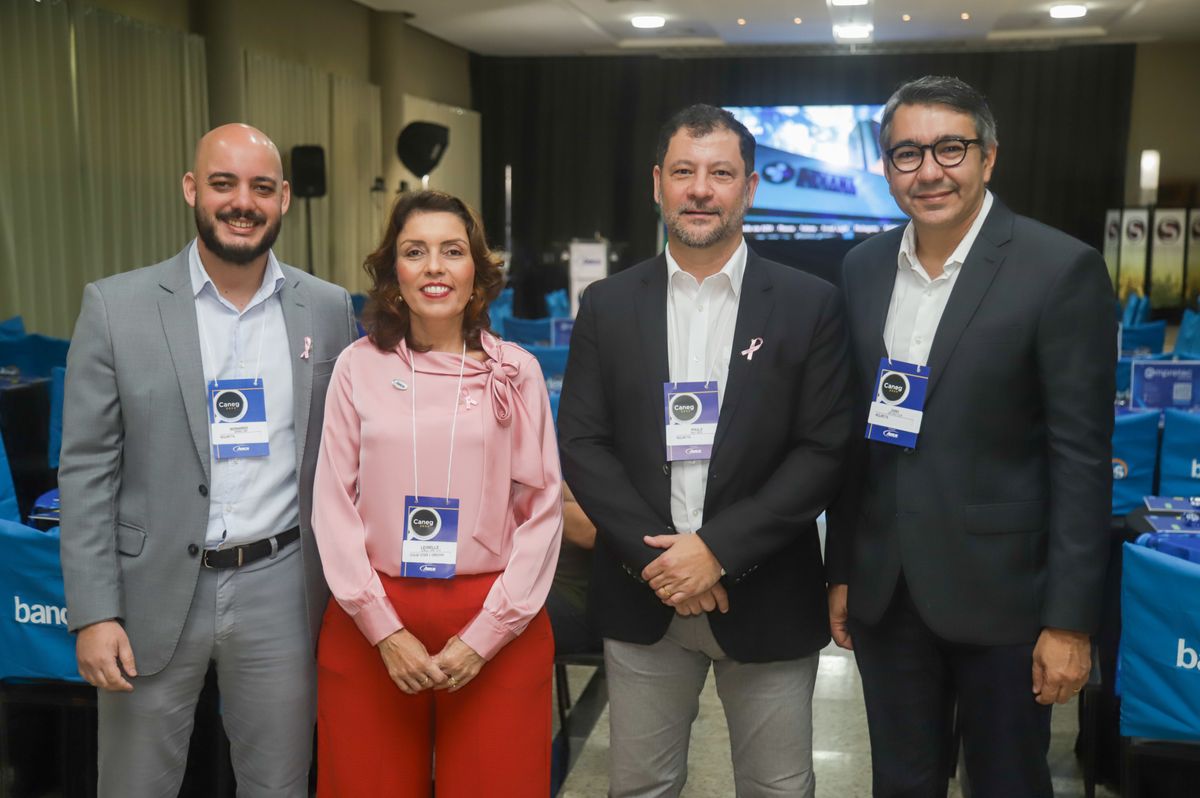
[(195, 392)]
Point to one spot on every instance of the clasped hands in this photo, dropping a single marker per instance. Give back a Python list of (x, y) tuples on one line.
[(685, 576), (412, 669)]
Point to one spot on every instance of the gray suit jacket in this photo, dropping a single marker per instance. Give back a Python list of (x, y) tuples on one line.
[(134, 471)]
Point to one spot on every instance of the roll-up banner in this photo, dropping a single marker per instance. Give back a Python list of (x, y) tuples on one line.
[(1112, 244), (1193, 257), (1166, 257), (1135, 229)]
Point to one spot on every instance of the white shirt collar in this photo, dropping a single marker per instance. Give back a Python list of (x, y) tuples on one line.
[(273, 278), (907, 258), (734, 268)]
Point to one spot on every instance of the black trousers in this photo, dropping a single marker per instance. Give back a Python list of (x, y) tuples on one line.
[(913, 680)]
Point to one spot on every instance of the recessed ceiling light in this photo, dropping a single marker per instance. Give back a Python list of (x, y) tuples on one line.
[(797, 20), (1068, 11), (964, 16), (907, 17), (741, 21), (853, 31), (842, 3), (648, 21)]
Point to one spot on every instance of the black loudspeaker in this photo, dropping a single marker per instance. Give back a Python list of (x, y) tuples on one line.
[(421, 146), (308, 170)]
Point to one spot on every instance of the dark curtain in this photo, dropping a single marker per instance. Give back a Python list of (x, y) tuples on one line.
[(579, 133)]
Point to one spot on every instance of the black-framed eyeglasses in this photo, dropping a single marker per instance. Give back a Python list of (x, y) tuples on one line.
[(946, 152)]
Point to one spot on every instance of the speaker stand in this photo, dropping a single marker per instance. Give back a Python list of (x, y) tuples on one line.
[(308, 230)]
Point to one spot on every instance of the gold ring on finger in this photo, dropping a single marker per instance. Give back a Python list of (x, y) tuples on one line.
[(453, 682)]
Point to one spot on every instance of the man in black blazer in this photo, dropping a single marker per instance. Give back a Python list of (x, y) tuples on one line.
[(974, 554), (745, 593)]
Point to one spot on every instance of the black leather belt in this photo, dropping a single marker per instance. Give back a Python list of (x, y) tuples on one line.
[(237, 556)]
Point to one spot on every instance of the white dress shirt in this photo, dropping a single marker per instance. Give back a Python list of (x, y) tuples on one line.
[(250, 498), (700, 325), (919, 301)]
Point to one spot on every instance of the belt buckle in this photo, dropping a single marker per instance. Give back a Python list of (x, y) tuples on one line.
[(204, 560), (241, 550)]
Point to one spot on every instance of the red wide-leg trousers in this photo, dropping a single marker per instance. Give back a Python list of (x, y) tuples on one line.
[(491, 738)]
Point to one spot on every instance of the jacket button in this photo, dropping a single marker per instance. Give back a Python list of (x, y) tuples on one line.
[(204, 490), (193, 549), (667, 469)]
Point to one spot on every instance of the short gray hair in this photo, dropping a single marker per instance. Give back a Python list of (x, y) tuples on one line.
[(941, 90)]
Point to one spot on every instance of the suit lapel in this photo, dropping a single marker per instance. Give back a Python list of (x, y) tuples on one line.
[(652, 335), (880, 282), (978, 271), (177, 310), (754, 312), (297, 317)]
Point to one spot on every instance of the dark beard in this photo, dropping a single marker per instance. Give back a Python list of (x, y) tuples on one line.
[(240, 255)]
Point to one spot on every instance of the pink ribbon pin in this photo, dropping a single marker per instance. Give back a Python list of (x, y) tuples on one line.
[(307, 348), (467, 400), (755, 345)]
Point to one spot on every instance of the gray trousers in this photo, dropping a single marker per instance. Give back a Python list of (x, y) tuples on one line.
[(252, 622), (654, 695)]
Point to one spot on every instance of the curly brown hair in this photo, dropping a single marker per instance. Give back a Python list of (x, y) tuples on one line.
[(386, 317)]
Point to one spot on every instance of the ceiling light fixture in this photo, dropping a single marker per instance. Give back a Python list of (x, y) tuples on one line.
[(844, 3), (648, 21), (964, 16), (797, 20), (853, 32), (741, 21), (1068, 11), (906, 17)]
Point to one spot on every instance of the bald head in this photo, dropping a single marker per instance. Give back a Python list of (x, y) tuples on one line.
[(236, 138), (237, 189)]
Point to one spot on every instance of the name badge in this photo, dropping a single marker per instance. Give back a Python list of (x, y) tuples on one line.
[(430, 537), (899, 403), (237, 419), (691, 411)]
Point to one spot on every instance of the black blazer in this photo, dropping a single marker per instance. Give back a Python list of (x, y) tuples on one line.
[(999, 517), (777, 461)]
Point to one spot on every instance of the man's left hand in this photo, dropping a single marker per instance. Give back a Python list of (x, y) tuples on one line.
[(684, 570), (1062, 662)]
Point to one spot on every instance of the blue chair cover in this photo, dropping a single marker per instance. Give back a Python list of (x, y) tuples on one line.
[(8, 492), (1188, 339), (58, 379), (34, 642), (1160, 646), (358, 302), (12, 328), (34, 355), (558, 304), (1143, 339), (501, 310), (1130, 315), (1135, 446), (553, 360), (527, 331), (1179, 462)]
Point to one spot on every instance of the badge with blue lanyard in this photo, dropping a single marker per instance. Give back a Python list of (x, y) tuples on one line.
[(237, 408)]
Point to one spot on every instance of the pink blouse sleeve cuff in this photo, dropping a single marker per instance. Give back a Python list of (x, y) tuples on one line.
[(486, 635), (376, 619)]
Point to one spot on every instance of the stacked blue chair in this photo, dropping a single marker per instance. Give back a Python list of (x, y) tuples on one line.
[(553, 360), (1179, 460), (558, 304), (33, 355), (34, 641), (501, 310), (535, 332), (9, 510), (1143, 339), (1160, 644), (1135, 448), (12, 328), (1187, 343)]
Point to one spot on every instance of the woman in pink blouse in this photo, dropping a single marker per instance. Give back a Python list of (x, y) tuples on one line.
[(438, 512)]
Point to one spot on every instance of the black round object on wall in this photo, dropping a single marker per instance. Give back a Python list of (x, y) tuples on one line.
[(421, 145)]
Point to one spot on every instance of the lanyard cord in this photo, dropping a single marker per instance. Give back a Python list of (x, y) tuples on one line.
[(462, 363)]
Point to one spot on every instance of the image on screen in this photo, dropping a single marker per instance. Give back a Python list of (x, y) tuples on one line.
[(820, 172)]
